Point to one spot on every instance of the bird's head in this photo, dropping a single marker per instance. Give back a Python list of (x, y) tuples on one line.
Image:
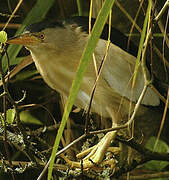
[(45, 36)]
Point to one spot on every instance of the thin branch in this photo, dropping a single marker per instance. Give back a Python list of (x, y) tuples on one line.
[(98, 74), (146, 155), (127, 15), (13, 13), (10, 26), (160, 24), (163, 120), (149, 176), (58, 153), (164, 8)]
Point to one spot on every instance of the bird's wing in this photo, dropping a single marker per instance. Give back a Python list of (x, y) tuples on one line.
[(119, 68), (118, 72)]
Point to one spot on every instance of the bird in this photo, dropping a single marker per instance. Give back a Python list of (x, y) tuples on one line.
[(56, 48)]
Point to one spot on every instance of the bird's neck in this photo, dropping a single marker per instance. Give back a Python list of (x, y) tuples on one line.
[(57, 66)]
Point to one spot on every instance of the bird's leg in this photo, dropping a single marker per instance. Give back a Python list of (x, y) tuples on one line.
[(97, 152), (93, 157), (96, 155), (114, 150)]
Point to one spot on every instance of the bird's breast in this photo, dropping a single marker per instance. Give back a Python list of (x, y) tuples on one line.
[(55, 74), (59, 73)]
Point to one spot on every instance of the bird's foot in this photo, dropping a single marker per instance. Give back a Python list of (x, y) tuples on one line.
[(93, 157)]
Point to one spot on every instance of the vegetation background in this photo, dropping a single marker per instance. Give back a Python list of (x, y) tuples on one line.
[(40, 109)]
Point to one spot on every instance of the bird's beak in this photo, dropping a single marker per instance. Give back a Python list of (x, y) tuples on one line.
[(24, 39)]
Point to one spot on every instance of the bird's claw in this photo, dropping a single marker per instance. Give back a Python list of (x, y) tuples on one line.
[(93, 157)]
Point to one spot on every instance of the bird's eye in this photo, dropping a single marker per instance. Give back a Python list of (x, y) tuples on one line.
[(42, 36)]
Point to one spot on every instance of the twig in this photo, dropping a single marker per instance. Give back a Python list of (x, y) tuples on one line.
[(13, 13), (166, 5), (33, 165), (98, 74), (5, 115), (17, 116), (146, 155), (162, 121), (133, 24), (24, 63), (149, 176), (58, 153), (160, 24), (127, 15), (10, 26)]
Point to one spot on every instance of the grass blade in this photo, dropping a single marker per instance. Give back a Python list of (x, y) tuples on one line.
[(143, 34), (86, 57)]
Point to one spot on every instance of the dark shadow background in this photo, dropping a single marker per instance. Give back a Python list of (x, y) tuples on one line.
[(48, 106)]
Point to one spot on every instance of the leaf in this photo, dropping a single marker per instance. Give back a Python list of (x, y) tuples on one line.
[(80, 7), (141, 44), (3, 37), (26, 74), (10, 116), (161, 147), (84, 61), (27, 117)]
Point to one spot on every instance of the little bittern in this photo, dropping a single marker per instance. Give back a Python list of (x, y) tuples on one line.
[(56, 49)]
